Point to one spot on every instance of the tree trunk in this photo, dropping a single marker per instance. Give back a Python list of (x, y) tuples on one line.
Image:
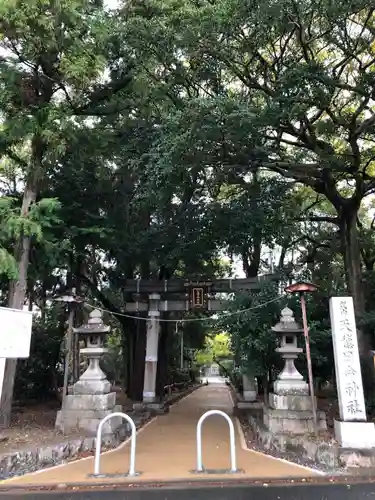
[(352, 257), (18, 287), (136, 382), (127, 360), (251, 258), (128, 333), (17, 295)]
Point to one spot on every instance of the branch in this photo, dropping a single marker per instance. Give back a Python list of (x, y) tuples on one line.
[(102, 94), (285, 247), (312, 205), (369, 187), (364, 125), (316, 243), (330, 220), (326, 80), (285, 141), (215, 360), (248, 81), (336, 120), (13, 156), (288, 171), (107, 304), (97, 97)]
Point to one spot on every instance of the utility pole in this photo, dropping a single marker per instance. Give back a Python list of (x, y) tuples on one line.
[(301, 289)]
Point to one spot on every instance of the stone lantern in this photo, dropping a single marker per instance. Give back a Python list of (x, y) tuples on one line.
[(289, 407), (289, 381), (93, 380), (90, 399)]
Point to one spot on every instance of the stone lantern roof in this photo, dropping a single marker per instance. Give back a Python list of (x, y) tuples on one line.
[(94, 326), (287, 323)]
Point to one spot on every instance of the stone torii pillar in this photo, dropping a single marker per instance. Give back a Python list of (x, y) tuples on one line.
[(152, 344)]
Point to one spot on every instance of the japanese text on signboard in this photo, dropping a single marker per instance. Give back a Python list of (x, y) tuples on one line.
[(348, 372)]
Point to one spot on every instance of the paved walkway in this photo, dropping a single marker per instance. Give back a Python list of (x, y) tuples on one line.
[(166, 449)]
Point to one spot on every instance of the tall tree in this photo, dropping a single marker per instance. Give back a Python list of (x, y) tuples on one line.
[(295, 97), (54, 55)]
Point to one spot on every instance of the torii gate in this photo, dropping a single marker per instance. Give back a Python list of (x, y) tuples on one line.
[(197, 295)]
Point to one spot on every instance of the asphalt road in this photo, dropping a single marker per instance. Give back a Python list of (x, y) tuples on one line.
[(225, 492)]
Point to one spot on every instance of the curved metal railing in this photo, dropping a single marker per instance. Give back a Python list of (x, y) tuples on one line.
[(233, 465), (132, 444)]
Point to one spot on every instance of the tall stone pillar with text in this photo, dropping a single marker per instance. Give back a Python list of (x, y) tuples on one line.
[(352, 430), (151, 361)]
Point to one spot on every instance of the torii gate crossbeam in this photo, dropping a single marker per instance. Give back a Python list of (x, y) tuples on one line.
[(151, 297)]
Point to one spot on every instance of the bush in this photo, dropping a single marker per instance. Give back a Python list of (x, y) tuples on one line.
[(235, 376), (40, 376)]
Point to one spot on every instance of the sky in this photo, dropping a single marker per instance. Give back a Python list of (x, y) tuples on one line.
[(112, 4)]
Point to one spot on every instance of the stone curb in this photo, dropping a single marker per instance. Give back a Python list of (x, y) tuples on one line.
[(330, 454), (24, 461), (326, 454), (33, 459)]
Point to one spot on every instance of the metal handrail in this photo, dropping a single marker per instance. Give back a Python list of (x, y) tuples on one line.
[(132, 443), (233, 465)]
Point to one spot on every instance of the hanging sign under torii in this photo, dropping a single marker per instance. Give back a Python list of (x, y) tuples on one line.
[(198, 294)]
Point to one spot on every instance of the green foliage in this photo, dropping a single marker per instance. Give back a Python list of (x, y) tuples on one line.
[(36, 223), (8, 265), (216, 347), (250, 332), (111, 363), (173, 133), (175, 376), (40, 376), (235, 376), (293, 98)]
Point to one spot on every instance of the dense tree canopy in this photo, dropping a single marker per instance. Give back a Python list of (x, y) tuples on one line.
[(190, 135)]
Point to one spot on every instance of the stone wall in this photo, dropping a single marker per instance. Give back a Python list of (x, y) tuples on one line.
[(30, 460), (322, 453), (329, 454)]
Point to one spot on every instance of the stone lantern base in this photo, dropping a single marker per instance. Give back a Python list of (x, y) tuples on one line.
[(292, 413), (83, 413)]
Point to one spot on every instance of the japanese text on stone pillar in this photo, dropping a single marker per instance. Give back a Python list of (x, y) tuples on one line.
[(347, 364)]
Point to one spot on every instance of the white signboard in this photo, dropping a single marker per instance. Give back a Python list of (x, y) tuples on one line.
[(347, 364), (15, 333)]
